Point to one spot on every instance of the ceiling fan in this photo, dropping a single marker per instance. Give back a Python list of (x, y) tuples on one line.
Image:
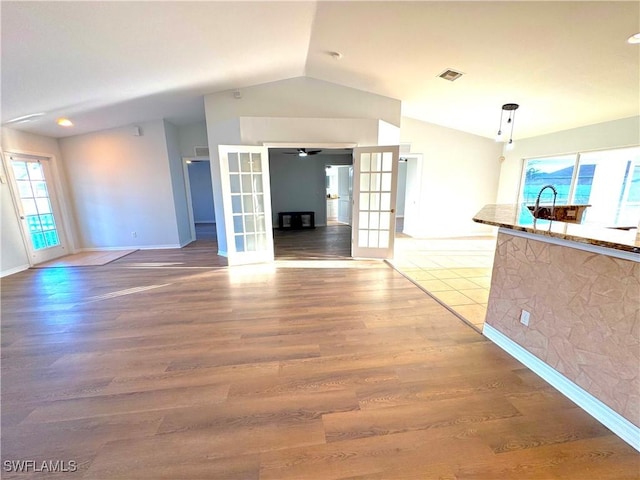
[(303, 152)]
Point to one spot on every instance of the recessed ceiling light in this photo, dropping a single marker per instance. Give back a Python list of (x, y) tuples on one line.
[(65, 122), (634, 38), (26, 118)]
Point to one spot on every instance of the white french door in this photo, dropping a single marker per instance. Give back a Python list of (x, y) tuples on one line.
[(38, 207), (375, 178), (246, 200)]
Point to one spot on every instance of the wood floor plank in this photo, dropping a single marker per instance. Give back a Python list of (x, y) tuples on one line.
[(417, 416), (168, 364)]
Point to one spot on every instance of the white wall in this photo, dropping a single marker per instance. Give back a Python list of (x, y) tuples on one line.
[(617, 133), (14, 256), (190, 136), (122, 184), (259, 130), (224, 132), (302, 97), (180, 198), (298, 184), (460, 174)]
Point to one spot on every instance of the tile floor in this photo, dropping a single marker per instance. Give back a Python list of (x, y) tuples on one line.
[(456, 271)]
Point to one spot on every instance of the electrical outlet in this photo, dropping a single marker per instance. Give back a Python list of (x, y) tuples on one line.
[(134, 234), (524, 317)]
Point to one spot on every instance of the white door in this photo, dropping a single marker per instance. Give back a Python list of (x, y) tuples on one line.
[(246, 200), (345, 203), (38, 207), (375, 177)]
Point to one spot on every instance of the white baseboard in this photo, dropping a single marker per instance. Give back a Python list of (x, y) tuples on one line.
[(130, 247), (615, 422), (11, 271)]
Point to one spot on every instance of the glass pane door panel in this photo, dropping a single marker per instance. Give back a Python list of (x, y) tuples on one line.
[(40, 189), (245, 162), (29, 206), (365, 162), (256, 164), (239, 243), (385, 221), (374, 201), (35, 171), (234, 183), (365, 181), (236, 204), (24, 189), (364, 220), (387, 162), (385, 201), (238, 225), (247, 203), (249, 223), (386, 182), (35, 204), (364, 201), (257, 183), (251, 242), (43, 205), (234, 165), (375, 162), (375, 182), (259, 203), (20, 171), (247, 184)]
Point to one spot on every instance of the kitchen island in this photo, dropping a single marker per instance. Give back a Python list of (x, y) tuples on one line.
[(565, 301)]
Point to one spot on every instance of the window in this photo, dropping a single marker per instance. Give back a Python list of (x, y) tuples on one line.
[(608, 180)]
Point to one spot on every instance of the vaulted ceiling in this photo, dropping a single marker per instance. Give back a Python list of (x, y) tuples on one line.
[(106, 64)]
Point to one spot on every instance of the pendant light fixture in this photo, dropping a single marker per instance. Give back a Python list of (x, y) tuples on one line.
[(508, 126)]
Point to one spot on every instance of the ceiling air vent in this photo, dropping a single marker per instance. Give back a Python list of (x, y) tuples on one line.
[(201, 151), (450, 75)]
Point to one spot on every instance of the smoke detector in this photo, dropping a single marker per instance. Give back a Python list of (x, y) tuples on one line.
[(451, 75)]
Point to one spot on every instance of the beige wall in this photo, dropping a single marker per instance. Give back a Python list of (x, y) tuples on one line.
[(585, 315)]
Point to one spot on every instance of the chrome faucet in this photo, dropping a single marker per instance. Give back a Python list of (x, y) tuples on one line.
[(553, 206)]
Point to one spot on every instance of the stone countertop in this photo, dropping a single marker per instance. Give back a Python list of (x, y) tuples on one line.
[(518, 217)]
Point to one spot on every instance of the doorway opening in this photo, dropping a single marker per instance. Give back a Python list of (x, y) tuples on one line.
[(339, 183), (200, 203), (300, 187)]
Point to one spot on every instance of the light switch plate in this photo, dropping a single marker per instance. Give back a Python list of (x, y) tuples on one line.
[(524, 317)]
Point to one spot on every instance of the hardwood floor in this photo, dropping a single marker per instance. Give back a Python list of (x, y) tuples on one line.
[(167, 364), (321, 243)]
